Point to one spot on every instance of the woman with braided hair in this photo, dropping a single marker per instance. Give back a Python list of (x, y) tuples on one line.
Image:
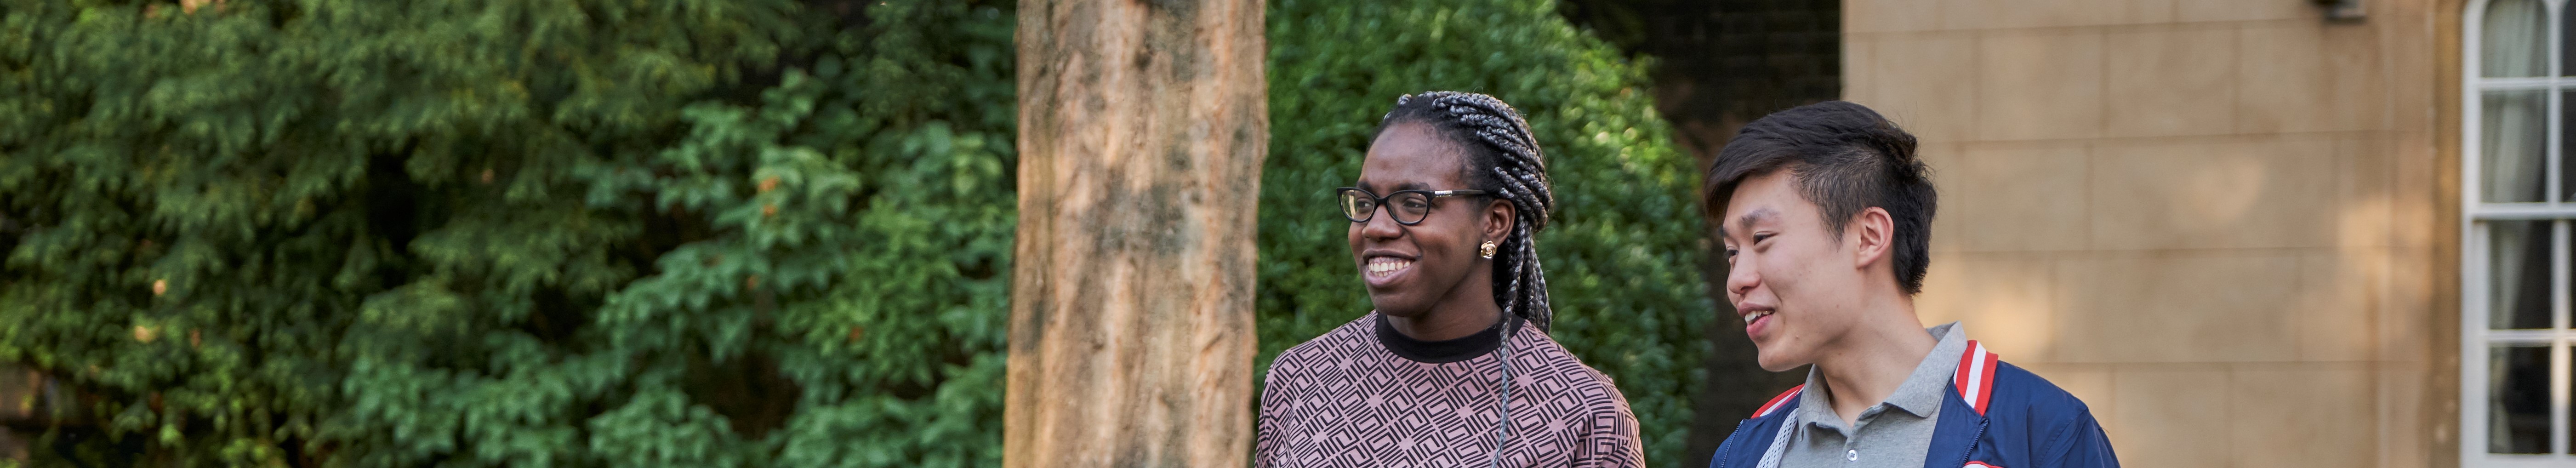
[(1454, 368)]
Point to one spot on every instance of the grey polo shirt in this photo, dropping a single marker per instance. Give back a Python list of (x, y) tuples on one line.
[(1895, 433)]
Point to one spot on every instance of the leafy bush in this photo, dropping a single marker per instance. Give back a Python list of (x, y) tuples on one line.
[(1621, 257), (509, 233), (675, 232)]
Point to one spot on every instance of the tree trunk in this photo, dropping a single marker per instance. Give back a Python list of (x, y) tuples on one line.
[(1142, 128)]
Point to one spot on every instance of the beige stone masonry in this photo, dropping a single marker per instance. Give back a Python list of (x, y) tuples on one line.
[(2228, 225)]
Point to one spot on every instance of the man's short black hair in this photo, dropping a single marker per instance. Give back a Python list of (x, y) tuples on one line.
[(1845, 158)]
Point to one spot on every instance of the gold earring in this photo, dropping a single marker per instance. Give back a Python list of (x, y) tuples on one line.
[(1487, 250)]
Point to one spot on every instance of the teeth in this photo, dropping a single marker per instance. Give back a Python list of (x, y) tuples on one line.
[(1749, 316), (1383, 264)]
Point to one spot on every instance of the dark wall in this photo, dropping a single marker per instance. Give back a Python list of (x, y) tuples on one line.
[(1719, 64)]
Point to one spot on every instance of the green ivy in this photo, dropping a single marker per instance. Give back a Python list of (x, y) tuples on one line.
[(1622, 255)]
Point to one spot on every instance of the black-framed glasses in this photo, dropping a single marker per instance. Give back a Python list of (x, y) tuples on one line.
[(1408, 206)]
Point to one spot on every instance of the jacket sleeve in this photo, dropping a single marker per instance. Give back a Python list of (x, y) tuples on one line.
[(2080, 443)]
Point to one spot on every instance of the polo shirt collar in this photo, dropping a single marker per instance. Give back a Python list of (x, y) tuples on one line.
[(1923, 390), (1920, 395)]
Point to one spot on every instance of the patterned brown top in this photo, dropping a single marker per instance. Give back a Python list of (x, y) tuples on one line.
[(1345, 399)]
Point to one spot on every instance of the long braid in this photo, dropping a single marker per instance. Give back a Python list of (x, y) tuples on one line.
[(1507, 163)]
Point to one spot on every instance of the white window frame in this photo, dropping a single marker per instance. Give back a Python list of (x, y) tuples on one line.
[(2476, 285)]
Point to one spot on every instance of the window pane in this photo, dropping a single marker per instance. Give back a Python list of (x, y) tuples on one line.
[(2511, 144), (2518, 267), (2566, 126), (2567, 55), (2518, 399), (2512, 43)]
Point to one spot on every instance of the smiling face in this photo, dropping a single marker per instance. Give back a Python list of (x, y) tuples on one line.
[(1409, 269), (1793, 281)]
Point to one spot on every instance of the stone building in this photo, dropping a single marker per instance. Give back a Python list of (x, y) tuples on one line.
[(2252, 233)]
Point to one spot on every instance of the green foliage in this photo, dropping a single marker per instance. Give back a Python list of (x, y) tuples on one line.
[(564, 233), (1622, 256), (676, 232)]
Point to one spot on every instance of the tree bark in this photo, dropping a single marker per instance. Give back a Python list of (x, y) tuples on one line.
[(1142, 126)]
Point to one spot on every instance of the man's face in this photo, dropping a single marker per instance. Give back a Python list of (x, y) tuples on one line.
[(1793, 282)]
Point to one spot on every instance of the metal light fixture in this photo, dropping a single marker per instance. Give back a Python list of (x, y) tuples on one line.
[(2342, 11)]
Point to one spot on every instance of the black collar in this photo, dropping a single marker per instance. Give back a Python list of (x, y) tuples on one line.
[(1444, 351)]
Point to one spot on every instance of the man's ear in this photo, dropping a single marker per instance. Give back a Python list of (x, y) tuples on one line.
[(1499, 217), (1873, 233)]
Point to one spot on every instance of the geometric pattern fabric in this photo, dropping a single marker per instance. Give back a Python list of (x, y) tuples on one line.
[(1343, 400)]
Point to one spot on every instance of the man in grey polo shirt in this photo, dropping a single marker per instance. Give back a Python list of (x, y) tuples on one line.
[(1826, 218), (1894, 432)]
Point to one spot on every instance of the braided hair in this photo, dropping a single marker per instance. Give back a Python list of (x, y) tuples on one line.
[(1502, 159)]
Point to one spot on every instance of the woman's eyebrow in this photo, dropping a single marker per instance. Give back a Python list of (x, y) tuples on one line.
[(1364, 184)]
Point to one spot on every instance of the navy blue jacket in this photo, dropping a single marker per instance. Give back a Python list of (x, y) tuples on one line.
[(1997, 415)]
